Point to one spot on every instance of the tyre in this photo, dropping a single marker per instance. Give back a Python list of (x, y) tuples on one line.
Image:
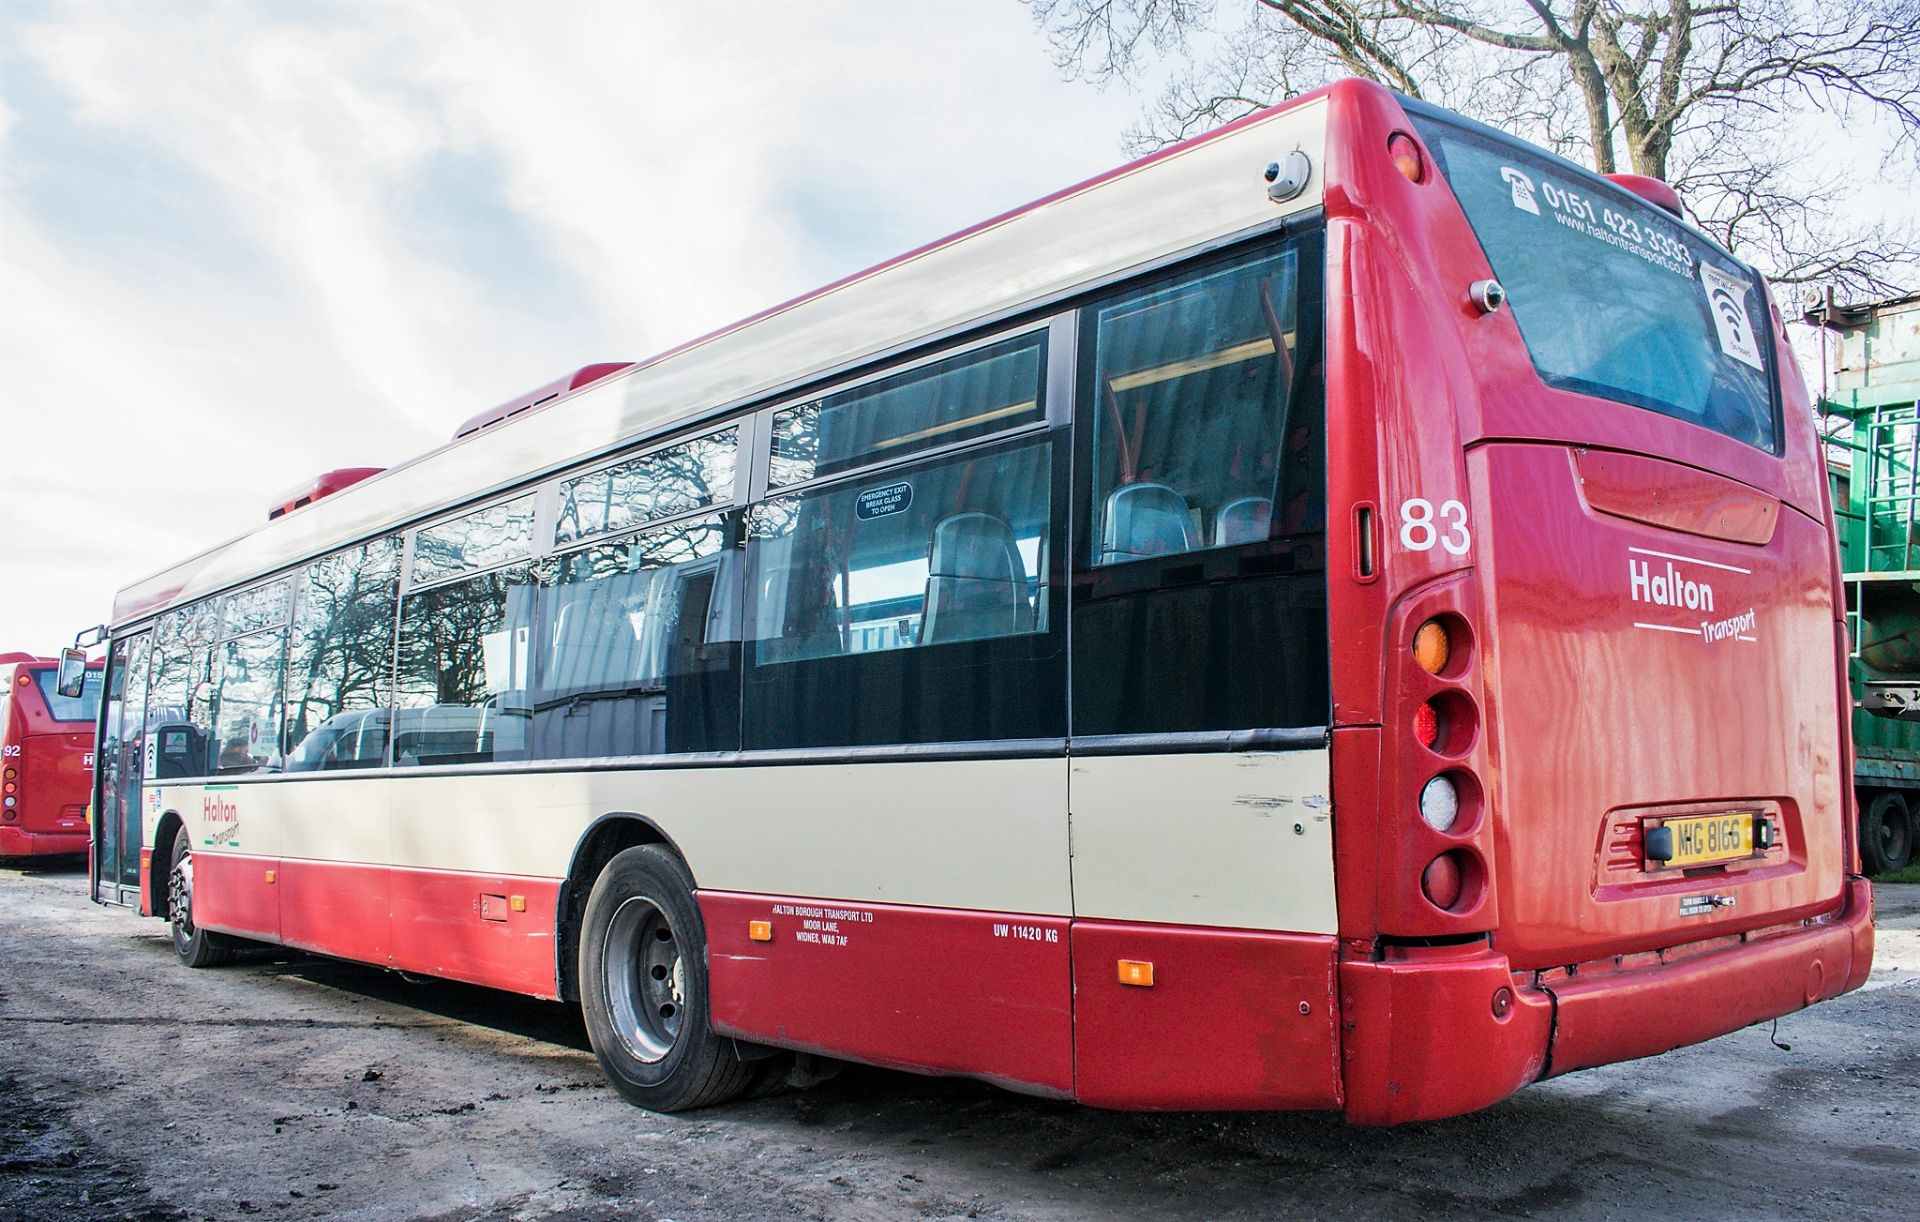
[(196, 947), (643, 987), (1886, 834)]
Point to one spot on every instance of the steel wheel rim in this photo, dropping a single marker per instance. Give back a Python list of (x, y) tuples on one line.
[(180, 898), (645, 979)]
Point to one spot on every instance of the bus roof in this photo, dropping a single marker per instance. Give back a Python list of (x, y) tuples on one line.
[(1181, 198)]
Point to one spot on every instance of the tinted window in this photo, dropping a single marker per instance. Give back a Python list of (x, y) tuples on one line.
[(84, 707), (1614, 297), (462, 689), (477, 540), (340, 659), (1200, 602), (911, 605), (688, 476), (639, 645), (180, 707), (246, 728), (968, 396)]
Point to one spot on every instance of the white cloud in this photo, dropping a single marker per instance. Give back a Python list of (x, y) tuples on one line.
[(244, 243)]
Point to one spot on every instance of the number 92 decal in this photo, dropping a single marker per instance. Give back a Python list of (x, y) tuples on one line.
[(1421, 527)]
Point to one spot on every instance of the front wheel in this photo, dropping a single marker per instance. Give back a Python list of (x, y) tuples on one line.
[(196, 947), (1886, 834), (643, 987)]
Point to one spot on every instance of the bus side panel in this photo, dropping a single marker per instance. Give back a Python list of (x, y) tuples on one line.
[(236, 893), (930, 990), (489, 929), (337, 908), (1219, 1019)]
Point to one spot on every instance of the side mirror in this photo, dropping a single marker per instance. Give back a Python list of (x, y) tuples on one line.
[(72, 675)]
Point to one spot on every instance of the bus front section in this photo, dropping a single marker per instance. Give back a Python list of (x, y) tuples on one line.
[(1589, 754)]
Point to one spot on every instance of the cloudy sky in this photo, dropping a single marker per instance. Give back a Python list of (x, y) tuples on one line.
[(242, 243)]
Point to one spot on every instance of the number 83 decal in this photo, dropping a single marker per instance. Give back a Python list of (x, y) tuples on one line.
[(1421, 526)]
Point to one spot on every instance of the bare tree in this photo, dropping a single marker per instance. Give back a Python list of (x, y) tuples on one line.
[(1701, 93)]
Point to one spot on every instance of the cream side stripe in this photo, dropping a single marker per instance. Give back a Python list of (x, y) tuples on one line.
[(1201, 839), (1241, 841)]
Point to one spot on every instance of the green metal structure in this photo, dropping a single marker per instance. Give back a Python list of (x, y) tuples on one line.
[(1872, 416)]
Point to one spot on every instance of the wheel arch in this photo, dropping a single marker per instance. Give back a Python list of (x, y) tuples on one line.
[(607, 835), (171, 826)]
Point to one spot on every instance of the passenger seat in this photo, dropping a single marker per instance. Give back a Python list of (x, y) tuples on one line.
[(1146, 520), (976, 581)]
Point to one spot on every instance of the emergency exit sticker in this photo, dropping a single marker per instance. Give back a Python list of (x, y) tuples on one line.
[(1727, 302)]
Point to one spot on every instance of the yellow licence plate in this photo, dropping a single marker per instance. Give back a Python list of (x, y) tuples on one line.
[(1700, 840)]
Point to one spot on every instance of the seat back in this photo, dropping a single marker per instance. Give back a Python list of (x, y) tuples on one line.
[(1244, 519), (976, 581), (1146, 520)]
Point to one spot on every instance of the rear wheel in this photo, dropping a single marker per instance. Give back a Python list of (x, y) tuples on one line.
[(643, 987), (1886, 834), (196, 947)]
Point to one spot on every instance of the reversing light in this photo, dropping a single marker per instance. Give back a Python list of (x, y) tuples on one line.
[(1426, 725), (1439, 804), (10, 802), (1442, 881), (1406, 156), (1431, 648)]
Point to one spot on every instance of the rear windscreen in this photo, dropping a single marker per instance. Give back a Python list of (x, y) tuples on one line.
[(1614, 297), (70, 708)]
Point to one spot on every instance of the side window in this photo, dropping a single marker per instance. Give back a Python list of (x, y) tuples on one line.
[(476, 540), (638, 645), (910, 605), (1200, 586), (677, 479), (248, 668), (180, 708), (975, 394), (340, 659), (462, 688)]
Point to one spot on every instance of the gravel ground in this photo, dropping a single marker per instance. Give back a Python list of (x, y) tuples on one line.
[(298, 1087)]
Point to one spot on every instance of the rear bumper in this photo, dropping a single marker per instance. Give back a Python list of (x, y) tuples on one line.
[(18, 842), (1427, 1039)]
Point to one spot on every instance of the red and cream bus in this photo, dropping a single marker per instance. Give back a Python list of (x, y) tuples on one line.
[(1338, 614), (46, 757)]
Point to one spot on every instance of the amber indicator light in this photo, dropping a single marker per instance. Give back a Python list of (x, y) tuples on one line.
[(760, 931), (1431, 648), (1406, 156), (1136, 972)]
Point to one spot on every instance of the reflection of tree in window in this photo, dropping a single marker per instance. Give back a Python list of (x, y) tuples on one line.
[(677, 479), (476, 540), (341, 652), (451, 651)]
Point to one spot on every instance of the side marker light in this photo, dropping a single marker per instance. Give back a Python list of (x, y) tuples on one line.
[(517, 903), (760, 931), (1406, 156), (1136, 972)]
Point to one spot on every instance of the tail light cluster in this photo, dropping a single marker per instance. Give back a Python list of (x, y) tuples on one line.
[(1436, 839), (10, 788)]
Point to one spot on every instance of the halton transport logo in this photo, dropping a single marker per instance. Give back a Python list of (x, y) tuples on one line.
[(1675, 583)]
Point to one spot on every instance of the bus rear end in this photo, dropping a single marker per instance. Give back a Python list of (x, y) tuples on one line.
[(1590, 717), (46, 760)]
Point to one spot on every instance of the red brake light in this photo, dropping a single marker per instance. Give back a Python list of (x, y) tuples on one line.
[(1406, 156), (1426, 725)]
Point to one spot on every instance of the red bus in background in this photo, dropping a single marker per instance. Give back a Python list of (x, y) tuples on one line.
[(46, 758)]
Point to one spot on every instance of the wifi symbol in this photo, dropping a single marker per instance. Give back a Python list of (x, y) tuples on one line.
[(1731, 311)]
